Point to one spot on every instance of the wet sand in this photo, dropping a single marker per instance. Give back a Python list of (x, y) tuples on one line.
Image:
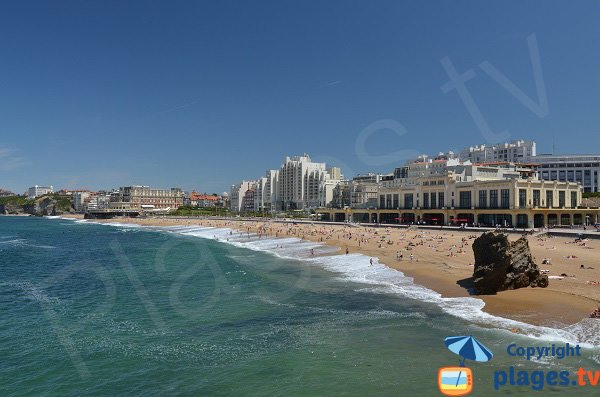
[(441, 258)]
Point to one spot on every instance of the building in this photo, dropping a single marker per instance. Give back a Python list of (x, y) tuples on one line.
[(580, 168), (204, 200), (360, 192), (6, 193), (514, 152), (145, 198), (80, 200), (248, 201), (37, 191), (237, 193), (448, 192), (100, 200), (303, 184)]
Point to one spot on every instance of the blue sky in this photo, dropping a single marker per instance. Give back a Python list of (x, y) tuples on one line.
[(201, 94)]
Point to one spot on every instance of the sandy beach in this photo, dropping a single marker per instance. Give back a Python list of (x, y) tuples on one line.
[(438, 259)]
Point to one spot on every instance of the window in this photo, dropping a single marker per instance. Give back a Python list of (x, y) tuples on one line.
[(573, 199), (549, 198), (425, 200), (562, 176), (505, 198), (408, 201), (483, 199), (441, 200), (561, 198), (382, 201), (388, 201), (522, 198), (396, 201), (433, 200), (536, 198), (493, 198), (465, 199)]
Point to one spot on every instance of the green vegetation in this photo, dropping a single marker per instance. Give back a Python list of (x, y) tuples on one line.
[(15, 200), (590, 194), (63, 203)]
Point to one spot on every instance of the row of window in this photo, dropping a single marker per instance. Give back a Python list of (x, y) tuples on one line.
[(536, 200)]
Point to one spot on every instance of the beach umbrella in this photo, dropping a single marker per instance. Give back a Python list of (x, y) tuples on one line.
[(468, 348)]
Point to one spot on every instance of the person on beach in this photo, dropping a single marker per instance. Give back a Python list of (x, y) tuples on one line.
[(347, 251), (371, 262)]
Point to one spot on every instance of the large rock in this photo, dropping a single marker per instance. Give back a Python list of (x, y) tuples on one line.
[(43, 206), (501, 265)]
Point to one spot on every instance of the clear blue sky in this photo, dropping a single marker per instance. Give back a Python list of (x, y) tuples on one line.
[(201, 94)]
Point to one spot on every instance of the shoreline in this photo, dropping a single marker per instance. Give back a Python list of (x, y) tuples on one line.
[(565, 302)]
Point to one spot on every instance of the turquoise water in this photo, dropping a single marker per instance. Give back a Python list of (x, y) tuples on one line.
[(108, 310)]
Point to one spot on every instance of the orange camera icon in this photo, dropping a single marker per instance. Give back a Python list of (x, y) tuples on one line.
[(455, 381)]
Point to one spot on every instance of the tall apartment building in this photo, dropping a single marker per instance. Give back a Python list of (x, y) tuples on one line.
[(304, 184), (80, 200), (580, 168), (37, 191), (146, 198), (519, 151)]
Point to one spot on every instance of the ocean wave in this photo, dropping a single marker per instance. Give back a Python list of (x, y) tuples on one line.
[(357, 268), (21, 242)]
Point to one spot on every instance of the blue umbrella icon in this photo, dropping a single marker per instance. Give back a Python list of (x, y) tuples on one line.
[(468, 348)]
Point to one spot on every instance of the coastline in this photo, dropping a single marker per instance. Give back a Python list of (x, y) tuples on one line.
[(565, 302)]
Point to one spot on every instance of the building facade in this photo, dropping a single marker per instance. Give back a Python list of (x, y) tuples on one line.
[(449, 193), (80, 200), (360, 192), (37, 191), (515, 152), (145, 198), (237, 193), (303, 184), (584, 169)]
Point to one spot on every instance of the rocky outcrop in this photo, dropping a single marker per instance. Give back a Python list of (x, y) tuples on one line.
[(43, 207), (11, 209), (501, 265)]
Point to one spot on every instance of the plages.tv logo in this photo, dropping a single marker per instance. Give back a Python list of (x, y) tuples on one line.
[(458, 381)]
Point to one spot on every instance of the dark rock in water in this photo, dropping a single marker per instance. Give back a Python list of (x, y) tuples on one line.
[(501, 265)]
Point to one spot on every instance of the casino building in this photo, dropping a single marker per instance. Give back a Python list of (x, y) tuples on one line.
[(450, 192)]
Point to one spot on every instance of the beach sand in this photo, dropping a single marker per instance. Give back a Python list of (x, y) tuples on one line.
[(441, 258)]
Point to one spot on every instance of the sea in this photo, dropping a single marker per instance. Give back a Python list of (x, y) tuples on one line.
[(113, 309)]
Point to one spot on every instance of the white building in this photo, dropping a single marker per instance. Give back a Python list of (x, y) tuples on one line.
[(37, 191), (80, 200), (580, 168), (237, 194), (303, 184), (514, 152)]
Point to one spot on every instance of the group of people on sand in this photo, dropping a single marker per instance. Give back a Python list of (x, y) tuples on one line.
[(595, 313)]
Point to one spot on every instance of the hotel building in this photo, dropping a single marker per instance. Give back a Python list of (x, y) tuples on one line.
[(146, 199), (37, 191)]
